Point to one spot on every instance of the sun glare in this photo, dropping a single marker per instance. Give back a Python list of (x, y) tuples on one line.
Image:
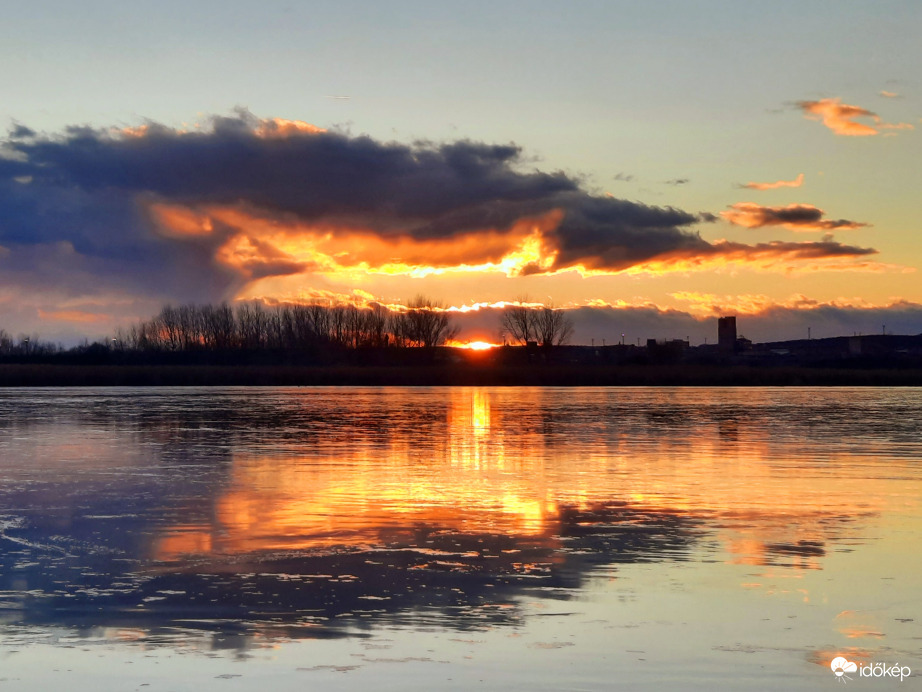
[(473, 345)]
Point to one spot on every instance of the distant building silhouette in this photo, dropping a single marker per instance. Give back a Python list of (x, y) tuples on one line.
[(726, 334)]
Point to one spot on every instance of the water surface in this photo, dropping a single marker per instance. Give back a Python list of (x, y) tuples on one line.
[(420, 538)]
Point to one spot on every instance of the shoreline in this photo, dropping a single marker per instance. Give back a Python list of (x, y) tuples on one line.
[(44, 375)]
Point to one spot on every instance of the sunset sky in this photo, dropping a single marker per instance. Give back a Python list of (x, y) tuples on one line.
[(649, 165)]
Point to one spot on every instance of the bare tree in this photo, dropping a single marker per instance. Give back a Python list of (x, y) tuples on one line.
[(147, 337), (252, 325), (318, 317), (275, 327), (354, 321), (166, 326), (425, 324), (338, 325), (219, 328), (376, 325), (517, 322), (553, 326), (305, 325), (188, 317)]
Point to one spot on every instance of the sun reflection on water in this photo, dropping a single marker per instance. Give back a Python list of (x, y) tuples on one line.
[(487, 465)]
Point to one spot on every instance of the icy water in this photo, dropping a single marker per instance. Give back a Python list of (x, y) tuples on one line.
[(458, 538)]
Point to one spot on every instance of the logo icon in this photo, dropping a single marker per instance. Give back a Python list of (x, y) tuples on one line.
[(840, 666)]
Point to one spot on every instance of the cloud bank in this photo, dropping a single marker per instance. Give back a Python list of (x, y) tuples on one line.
[(758, 317)]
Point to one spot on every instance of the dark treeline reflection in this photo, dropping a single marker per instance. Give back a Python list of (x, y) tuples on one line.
[(321, 512)]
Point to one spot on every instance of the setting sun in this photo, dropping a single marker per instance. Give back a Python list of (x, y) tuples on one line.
[(473, 345)]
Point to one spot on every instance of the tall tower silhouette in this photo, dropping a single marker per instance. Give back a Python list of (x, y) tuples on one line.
[(726, 334)]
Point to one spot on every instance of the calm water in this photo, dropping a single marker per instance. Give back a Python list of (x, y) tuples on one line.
[(435, 538)]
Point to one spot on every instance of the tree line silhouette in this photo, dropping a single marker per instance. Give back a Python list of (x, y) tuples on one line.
[(296, 332), (24, 345), (254, 326)]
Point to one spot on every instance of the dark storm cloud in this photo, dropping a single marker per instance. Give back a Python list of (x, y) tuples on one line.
[(91, 189), (11, 169), (608, 233), (422, 191), (309, 175)]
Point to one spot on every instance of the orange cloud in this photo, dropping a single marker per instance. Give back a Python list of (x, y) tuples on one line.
[(255, 258), (72, 316), (310, 294), (139, 131), (795, 217), (267, 128), (839, 117), (263, 249), (280, 128), (889, 94), (256, 245), (797, 182)]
